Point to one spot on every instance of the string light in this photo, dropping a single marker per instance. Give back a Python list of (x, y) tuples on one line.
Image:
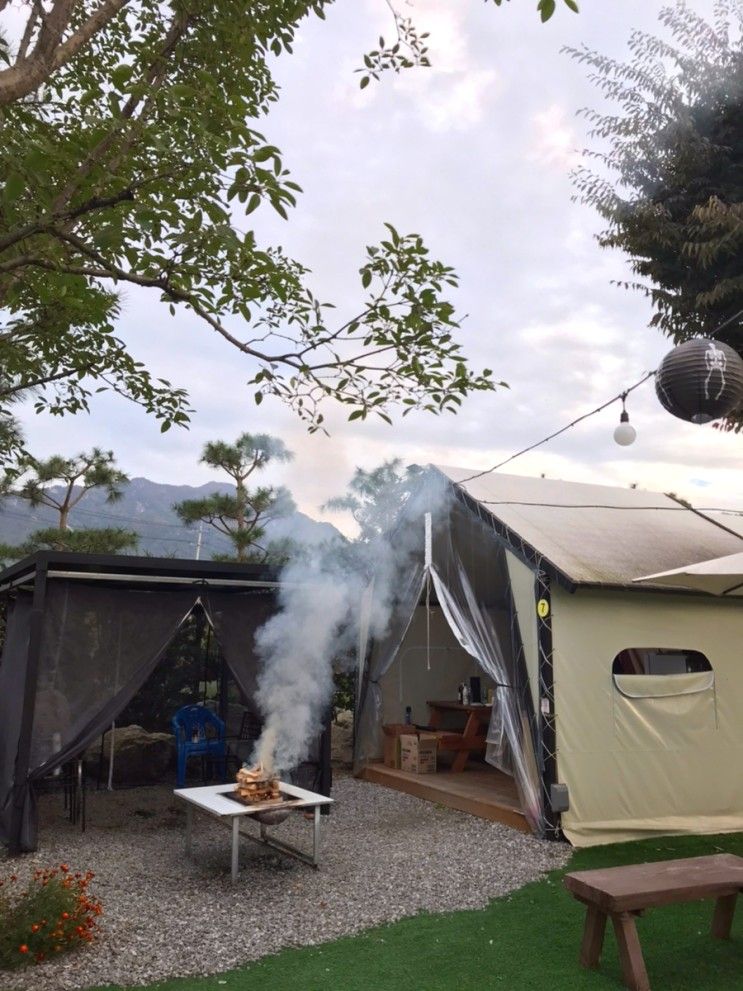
[(609, 402), (625, 433)]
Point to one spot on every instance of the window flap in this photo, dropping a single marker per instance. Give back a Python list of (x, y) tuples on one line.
[(643, 686)]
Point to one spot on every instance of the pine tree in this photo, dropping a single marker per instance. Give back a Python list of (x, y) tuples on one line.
[(242, 516)]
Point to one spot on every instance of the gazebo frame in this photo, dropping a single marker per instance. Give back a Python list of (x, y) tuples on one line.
[(35, 573)]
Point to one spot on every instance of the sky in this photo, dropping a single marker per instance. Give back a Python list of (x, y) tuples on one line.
[(475, 155)]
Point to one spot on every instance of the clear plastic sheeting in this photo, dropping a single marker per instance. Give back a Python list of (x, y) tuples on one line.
[(510, 747), (471, 584), (383, 653)]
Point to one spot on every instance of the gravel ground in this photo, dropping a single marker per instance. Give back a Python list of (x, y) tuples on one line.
[(385, 855)]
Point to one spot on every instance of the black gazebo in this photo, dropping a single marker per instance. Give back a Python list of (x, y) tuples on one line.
[(83, 634)]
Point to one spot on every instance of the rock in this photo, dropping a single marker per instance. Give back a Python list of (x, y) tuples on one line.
[(139, 756), (341, 739)]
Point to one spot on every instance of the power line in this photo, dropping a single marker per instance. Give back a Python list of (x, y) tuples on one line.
[(620, 396), (208, 545), (615, 399)]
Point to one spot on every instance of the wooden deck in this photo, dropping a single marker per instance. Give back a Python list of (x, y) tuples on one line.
[(479, 790)]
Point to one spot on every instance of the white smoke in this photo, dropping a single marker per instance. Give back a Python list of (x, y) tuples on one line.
[(316, 625)]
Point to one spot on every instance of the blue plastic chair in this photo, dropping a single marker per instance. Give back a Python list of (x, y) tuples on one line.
[(192, 740)]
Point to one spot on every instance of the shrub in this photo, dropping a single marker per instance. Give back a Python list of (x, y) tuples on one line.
[(344, 694), (53, 915)]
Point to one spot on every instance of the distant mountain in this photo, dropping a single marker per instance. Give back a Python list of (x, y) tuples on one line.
[(147, 508)]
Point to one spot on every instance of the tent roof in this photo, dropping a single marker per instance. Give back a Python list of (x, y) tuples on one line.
[(596, 534), (136, 571)]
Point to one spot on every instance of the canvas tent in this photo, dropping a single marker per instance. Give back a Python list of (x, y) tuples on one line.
[(631, 696), (83, 634)]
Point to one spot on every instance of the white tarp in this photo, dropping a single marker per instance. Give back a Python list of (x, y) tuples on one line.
[(647, 754)]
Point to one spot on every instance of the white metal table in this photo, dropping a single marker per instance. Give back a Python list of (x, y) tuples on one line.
[(215, 799)]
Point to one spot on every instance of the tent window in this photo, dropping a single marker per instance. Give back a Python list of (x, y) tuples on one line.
[(659, 661)]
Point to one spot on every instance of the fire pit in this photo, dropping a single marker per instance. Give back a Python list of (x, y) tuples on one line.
[(223, 802)]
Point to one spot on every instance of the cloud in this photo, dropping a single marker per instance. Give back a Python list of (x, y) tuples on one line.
[(554, 141), (474, 155)]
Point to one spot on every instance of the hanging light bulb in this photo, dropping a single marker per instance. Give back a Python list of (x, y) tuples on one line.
[(625, 433)]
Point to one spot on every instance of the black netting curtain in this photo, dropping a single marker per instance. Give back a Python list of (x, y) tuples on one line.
[(12, 690), (235, 617), (98, 647)]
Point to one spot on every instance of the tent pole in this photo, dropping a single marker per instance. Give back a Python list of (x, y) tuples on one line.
[(547, 735), (206, 655), (33, 657)]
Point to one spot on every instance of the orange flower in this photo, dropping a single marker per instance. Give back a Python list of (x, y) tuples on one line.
[(65, 915), (23, 948), (64, 868), (35, 927)]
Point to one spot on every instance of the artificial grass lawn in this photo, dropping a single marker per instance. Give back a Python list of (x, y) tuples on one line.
[(529, 939)]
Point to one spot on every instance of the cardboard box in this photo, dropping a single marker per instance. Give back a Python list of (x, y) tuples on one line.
[(392, 733), (418, 753)]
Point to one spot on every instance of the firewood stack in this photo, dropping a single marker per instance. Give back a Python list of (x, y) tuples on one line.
[(255, 784)]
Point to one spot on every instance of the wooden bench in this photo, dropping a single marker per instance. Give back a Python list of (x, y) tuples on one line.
[(625, 892)]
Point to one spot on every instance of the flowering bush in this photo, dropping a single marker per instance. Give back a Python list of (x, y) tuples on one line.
[(52, 915)]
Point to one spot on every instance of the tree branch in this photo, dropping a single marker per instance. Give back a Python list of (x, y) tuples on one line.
[(153, 76), (30, 71), (44, 227), (97, 20), (36, 383)]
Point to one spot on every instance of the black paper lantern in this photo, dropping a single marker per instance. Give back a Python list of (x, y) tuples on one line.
[(700, 380)]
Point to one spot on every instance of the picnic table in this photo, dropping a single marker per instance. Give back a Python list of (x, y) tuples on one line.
[(469, 740), (622, 893)]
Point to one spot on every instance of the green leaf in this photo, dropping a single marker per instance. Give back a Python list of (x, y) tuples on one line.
[(263, 154), (546, 9), (121, 75), (14, 186)]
